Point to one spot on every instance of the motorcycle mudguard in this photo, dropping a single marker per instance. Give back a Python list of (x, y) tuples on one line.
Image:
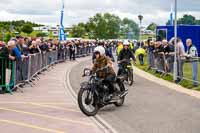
[(86, 86)]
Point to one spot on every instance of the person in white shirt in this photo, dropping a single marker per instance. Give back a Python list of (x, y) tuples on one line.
[(192, 55)]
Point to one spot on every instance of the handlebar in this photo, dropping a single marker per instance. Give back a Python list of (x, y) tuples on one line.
[(90, 71)]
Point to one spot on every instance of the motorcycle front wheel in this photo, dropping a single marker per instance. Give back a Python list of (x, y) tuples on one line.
[(87, 102), (130, 78)]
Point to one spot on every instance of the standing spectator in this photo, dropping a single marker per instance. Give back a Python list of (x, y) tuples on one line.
[(20, 42), (180, 59), (14, 52), (34, 48), (171, 54), (158, 56), (61, 51), (15, 55), (140, 52), (119, 47), (19, 62), (166, 51), (4, 54), (27, 41), (108, 50), (44, 47), (25, 46), (192, 55), (72, 48), (150, 48), (38, 44)]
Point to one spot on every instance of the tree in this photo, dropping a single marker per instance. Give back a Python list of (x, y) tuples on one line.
[(198, 22), (41, 34), (187, 19), (8, 36), (152, 27), (27, 28), (78, 30), (128, 26), (104, 26)]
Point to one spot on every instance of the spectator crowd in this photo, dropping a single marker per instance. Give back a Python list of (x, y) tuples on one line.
[(161, 57), (21, 49), (160, 54)]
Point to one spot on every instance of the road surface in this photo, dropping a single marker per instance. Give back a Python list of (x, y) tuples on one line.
[(149, 108)]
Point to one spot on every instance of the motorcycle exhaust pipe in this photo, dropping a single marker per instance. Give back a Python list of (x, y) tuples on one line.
[(124, 94)]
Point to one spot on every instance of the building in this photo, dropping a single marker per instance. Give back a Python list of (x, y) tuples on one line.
[(51, 30)]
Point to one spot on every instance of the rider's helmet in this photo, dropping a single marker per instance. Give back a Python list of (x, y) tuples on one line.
[(100, 50), (126, 43)]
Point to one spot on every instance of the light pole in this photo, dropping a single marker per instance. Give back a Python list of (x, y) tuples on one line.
[(175, 43), (140, 17)]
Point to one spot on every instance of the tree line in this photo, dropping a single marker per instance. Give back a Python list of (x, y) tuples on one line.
[(185, 20), (100, 26), (9, 29), (106, 26)]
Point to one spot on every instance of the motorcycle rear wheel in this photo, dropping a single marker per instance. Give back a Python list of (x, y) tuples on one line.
[(130, 78)]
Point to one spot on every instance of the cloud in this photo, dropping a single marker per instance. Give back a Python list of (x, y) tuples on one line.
[(48, 12)]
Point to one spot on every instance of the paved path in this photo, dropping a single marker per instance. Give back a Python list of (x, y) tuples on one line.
[(46, 107), (149, 108)]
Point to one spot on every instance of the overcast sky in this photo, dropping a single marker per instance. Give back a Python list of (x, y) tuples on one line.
[(48, 11)]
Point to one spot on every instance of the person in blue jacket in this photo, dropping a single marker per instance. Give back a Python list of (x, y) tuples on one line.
[(15, 54)]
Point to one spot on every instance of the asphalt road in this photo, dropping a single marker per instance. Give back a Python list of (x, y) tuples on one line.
[(149, 108)]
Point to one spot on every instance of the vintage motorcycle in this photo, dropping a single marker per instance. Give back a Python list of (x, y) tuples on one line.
[(94, 94)]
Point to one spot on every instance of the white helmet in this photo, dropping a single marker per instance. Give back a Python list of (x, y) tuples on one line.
[(100, 49), (126, 43)]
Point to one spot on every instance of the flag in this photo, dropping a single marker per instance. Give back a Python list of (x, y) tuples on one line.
[(62, 35)]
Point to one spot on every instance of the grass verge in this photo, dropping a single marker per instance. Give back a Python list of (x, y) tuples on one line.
[(187, 74)]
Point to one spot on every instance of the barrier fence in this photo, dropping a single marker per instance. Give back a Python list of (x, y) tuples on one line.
[(187, 68), (26, 71)]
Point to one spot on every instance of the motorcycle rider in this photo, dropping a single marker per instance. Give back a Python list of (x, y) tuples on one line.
[(108, 51), (125, 54), (102, 61)]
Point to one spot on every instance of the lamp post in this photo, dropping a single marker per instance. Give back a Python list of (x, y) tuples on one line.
[(140, 17), (175, 43)]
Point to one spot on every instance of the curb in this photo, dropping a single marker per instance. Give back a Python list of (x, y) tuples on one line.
[(165, 83), (102, 124)]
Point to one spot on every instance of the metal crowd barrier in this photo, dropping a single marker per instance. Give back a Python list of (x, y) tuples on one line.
[(82, 51), (27, 70), (187, 69), (7, 74)]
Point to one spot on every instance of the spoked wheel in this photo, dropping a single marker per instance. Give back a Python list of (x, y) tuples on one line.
[(87, 102), (130, 77)]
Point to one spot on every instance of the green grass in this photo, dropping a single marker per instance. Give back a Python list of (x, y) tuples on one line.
[(187, 72)]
